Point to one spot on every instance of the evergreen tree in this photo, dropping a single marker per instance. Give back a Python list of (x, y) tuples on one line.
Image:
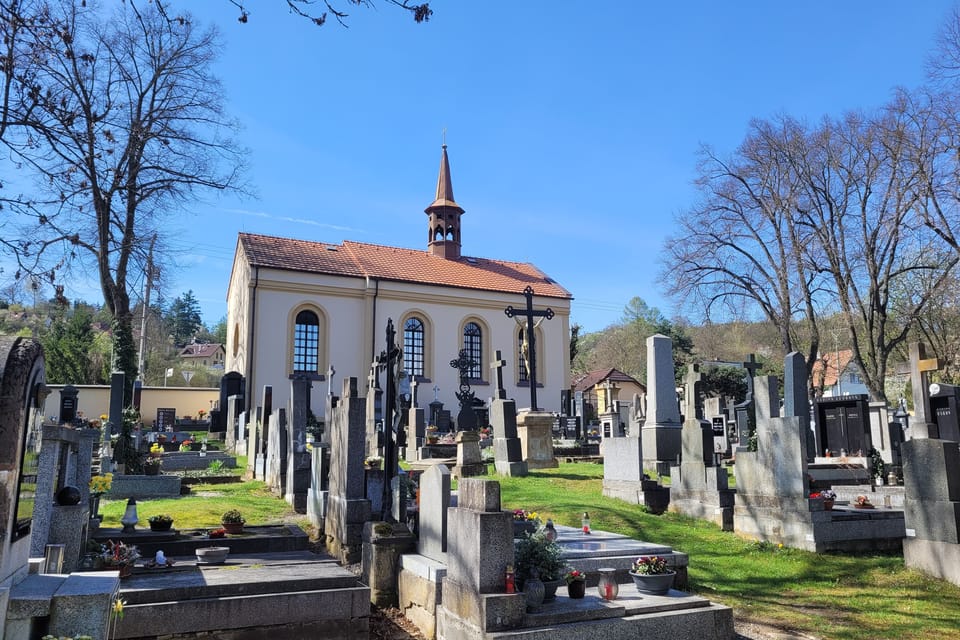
[(185, 318), (67, 348)]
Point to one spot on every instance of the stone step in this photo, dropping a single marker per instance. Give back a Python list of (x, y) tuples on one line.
[(293, 595), (254, 539)]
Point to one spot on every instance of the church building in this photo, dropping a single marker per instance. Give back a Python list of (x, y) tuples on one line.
[(300, 307)]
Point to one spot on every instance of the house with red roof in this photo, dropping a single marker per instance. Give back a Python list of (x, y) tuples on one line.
[(593, 385), (203, 355), (835, 373), (298, 306)]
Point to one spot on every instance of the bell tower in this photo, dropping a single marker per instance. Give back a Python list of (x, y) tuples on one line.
[(443, 223)]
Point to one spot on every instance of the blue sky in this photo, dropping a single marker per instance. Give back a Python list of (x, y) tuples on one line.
[(572, 127)]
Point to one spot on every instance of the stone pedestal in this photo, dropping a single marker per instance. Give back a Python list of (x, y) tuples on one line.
[(383, 544), (469, 461), (536, 439)]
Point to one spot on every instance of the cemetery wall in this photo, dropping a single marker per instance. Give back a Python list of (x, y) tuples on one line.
[(94, 400), (345, 307)]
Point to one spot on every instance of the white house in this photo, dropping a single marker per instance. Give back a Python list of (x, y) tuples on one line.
[(299, 306)]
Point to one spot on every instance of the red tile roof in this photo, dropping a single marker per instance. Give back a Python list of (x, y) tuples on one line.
[(199, 350), (830, 361), (393, 263)]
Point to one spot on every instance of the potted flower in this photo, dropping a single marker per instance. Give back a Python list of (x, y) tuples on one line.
[(120, 556), (151, 466), (161, 522), (863, 502), (828, 496), (200, 414), (372, 462), (156, 450), (98, 485), (576, 583), (652, 575), (537, 555), (186, 445), (524, 522), (432, 437), (232, 521)]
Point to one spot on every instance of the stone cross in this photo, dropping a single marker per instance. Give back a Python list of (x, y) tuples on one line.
[(920, 366), (531, 338), (413, 393), (752, 366), (497, 365), (694, 387)]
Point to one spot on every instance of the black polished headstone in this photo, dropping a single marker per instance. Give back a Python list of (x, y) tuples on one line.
[(68, 404)]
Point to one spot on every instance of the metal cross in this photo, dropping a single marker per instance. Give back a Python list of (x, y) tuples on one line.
[(920, 366), (531, 338)]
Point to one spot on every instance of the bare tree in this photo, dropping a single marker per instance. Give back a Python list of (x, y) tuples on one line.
[(129, 125), (420, 12), (740, 248), (861, 194)]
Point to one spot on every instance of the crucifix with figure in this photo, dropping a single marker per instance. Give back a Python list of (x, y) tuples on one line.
[(530, 338)]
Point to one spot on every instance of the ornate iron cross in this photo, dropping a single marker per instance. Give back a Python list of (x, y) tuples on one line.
[(531, 338)]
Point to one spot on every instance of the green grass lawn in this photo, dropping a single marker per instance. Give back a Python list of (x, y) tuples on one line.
[(204, 506), (867, 596)]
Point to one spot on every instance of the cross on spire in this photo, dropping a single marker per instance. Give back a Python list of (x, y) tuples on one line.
[(530, 338)]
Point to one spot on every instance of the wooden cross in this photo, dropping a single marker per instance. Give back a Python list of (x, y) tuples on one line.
[(497, 365), (531, 338), (920, 366)]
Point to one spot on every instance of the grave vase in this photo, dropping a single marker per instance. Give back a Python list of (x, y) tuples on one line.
[(533, 592), (607, 586), (827, 504), (550, 589), (94, 505)]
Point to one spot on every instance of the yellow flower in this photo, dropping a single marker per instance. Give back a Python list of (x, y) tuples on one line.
[(118, 608), (103, 417), (533, 516)]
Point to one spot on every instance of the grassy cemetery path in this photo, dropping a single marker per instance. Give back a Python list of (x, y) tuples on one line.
[(864, 597)]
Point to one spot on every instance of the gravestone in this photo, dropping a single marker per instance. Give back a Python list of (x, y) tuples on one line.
[(416, 432), (276, 422), (479, 549), (297, 456), (921, 423), (234, 408), (434, 501), (843, 425), (347, 509), (507, 449), (610, 414), (661, 430), (166, 419), (116, 401), (232, 383), (467, 418), (21, 408), (265, 410), (74, 602), (373, 444), (68, 404), (698, 487), (469, 461), (795, 400), (744, 413), (535, 429)]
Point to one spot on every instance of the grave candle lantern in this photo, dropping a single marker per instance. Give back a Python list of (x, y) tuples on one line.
[(607, 586), (585, 522)]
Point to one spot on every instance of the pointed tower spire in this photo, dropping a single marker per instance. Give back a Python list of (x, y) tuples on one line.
[(443, 225)]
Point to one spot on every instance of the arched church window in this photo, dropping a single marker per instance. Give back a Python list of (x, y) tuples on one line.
[(413, 334), (306, 343), (473, 343)]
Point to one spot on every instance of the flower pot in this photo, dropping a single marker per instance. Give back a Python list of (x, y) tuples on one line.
[(212, 555), (523, 527), (151, 470), (577, 589), (550, 589), (827, 504), (126, 570), (161, 526), (232, 527), (657, 584)]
